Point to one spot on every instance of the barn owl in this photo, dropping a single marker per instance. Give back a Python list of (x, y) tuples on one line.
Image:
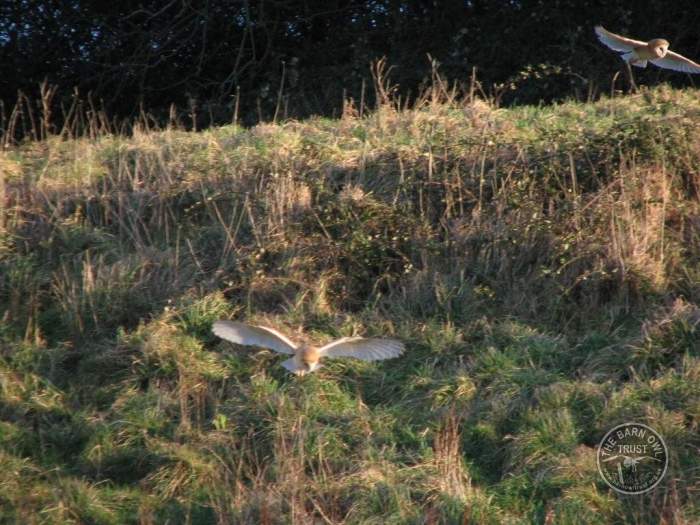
[(637, 53), (306, 358)]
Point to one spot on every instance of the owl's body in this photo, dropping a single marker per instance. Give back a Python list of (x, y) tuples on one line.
[(654, 49), (305, 358)]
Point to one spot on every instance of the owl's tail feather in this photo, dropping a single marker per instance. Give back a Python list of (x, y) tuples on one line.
[(294, 367)]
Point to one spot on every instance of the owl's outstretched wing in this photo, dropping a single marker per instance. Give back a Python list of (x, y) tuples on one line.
[(364, 348), (677, 62), (617, 42), (244, 334)]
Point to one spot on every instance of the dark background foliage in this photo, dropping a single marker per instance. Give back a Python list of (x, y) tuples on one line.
[(302, 57)]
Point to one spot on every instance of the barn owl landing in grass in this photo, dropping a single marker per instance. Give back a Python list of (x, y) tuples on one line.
[(305, 358), (638, 53)]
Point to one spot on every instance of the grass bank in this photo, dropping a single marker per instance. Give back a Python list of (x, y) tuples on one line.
[(542, 265)]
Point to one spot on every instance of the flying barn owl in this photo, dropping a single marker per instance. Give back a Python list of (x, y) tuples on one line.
[(638, 53), (305, 358)]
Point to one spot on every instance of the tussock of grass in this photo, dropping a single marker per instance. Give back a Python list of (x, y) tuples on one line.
[(541, 264)]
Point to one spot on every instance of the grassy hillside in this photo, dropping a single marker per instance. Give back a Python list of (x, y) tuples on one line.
[(542, 265)]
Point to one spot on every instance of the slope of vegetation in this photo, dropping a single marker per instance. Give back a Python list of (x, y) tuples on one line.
[(542, 265)]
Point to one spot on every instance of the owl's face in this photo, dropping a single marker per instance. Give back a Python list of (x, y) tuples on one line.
[(307, 358), (659, 47)]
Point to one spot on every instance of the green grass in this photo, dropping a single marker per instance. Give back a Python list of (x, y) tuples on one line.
[(542, 265)]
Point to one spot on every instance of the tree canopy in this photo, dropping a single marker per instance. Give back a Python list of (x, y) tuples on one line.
[(152, 53)]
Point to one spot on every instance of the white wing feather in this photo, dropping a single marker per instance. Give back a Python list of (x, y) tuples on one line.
[(617, 42), (244, 334), (366, 349), (677, 63)]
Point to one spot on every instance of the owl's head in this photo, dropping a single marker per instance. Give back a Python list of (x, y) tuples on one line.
[(659, 46)]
